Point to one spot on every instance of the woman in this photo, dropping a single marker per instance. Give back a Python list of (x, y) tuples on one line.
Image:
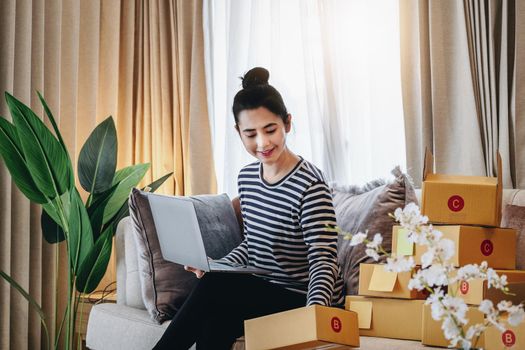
[(286, 207)]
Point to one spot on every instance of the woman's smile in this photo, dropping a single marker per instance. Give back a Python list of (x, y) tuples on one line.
[(267, 153)]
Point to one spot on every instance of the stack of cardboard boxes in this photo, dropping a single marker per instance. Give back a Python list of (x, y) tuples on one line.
[(467, 210), (385, 306)]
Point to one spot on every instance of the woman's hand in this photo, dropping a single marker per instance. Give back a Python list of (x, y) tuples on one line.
[(197, 272)]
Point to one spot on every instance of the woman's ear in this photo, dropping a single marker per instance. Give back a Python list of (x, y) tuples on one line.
[(288, 124)]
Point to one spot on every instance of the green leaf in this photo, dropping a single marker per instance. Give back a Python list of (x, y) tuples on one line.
[(80, 233), (96, 210), (57, 133), (51, 230), (124, 210), (46, 160), (126, 178), (24, 293), (32, 302), (113, 222), (98, 158), (52, 226), (13, 155), (157, 183), (95, 264)]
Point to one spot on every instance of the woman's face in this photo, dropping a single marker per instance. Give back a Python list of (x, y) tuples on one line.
[(263, 134)]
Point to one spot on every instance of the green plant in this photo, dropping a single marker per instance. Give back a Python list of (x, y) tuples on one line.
[(41, 167)]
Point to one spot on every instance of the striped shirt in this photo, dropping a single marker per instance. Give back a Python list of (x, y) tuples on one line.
[(285, 227)]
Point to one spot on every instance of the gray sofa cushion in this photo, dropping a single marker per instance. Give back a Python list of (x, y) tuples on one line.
[(514, 217), (114, 326), (366, 208), (164, 284)]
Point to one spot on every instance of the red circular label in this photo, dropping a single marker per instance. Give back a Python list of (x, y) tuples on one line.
[(508, 338), (464, 287), (456, 203), (487, 247), (336, 324)]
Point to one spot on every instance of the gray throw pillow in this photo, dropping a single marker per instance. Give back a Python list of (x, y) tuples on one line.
[(366, 208), (514, 217), (165, 285)]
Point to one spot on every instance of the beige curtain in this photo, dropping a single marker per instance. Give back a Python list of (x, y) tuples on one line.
[(163, 115), (458, 75), (141, 62)]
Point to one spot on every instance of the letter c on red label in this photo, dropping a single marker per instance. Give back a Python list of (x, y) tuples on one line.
[(456, 203), (487, 247)]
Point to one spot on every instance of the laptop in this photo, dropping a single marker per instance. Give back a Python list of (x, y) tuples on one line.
[(180, 237)]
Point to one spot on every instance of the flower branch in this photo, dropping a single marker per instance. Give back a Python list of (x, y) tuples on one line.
[(437, 275)]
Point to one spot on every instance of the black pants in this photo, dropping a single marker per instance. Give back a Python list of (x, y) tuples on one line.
[(214, 313)]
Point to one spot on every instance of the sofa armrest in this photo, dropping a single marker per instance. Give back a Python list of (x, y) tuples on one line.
[(120, 250), (128, 280)]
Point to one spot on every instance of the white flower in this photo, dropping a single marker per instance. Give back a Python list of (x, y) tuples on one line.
[(358, 238), (487, 307), (450, 330), (428, 236), (427, 258), (400, 264), (496, 281), (410, 217), (445, 249), (456, 307), (492, 315), (435, 275), (372, 253), (516, 316), (376, 242), (465, 344), (432, 234), (437, 308), (416, 284), (515, 312), (475, 331), (469, 272)]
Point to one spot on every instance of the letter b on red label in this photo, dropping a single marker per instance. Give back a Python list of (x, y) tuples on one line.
[(464, 287), (336, 324), (508, 338)]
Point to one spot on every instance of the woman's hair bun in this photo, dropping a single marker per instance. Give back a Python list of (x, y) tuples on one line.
[(255, 76)]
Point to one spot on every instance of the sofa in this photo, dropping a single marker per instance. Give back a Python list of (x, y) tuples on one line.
[(127, 325)]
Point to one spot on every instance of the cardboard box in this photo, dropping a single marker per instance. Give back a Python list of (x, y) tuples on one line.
[(433, 334), (475, 290), (375, 281), (474, 244), (513, 338), (458, 199), (309, 327), (387, 318)]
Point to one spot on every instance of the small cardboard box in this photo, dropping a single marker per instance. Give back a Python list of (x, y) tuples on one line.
[(387, 318), (433, 334), (457, 199), (309, 327), (375, 281), (474, 244), (513, 338), (475, 290)]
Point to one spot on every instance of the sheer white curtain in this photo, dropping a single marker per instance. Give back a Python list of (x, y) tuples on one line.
[(336, 63)]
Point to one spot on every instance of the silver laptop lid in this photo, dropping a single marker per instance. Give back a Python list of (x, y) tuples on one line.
[(178, 231)]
